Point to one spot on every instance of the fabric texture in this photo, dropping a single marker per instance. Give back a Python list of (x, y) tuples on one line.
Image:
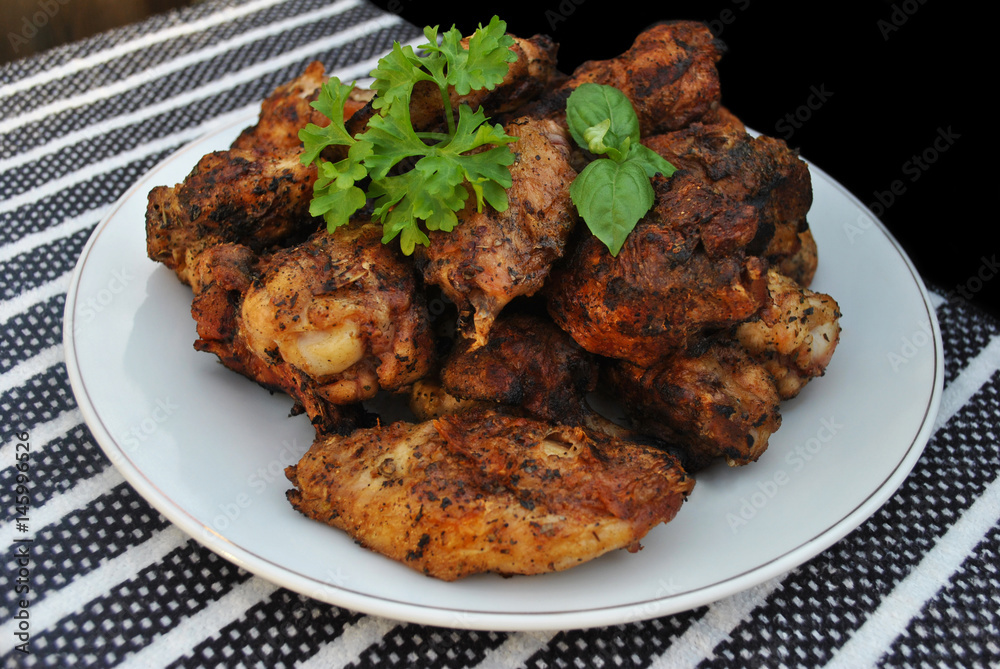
[(112, 581)]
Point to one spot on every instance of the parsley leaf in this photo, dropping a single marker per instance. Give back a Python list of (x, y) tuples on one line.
[(472, 156), (434, 190), (483, 65), (614, 192), (395, 75), (332, 98)]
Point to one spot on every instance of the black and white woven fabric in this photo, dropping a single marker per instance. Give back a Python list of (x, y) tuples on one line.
[(111, 581)]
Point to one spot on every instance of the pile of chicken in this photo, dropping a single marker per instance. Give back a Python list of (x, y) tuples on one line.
[(700, 326)]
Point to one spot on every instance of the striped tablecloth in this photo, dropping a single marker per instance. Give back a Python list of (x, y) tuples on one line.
[(107, 580)]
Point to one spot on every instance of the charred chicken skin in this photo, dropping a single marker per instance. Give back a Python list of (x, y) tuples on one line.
[(745, 168), (330, 322), (527, 363), (682, 272), (492, 257), (718, 403), (484, 492), (529, 367), (703, 323), (795, 337), (287, 110), (669, 74), (241, 196)]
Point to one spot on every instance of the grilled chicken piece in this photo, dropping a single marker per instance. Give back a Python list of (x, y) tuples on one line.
[(527, 363), (529, 368), (222, 274), (483, 492), (526, 78), (492, 257), (330, 322), (682, 272), (795, 336), (800, 264), (723, 116), (239, 196), (669, 74), (429, 400), (761, 169), (343, 309), (719, 403), (287, 110)]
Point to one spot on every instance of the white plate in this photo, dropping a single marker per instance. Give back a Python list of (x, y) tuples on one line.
[(207, 447)]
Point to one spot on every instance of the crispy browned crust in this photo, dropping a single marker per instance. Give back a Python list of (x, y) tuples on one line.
[(242, 196), (288, 109), (511, 472), (669, 75), (682, 271), (492, 257), (762, 170), (528, 363), (718, 403), (285, 112), (351, 268), (483, 492)]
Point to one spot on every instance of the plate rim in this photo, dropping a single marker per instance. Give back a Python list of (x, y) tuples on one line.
[(483, 619)]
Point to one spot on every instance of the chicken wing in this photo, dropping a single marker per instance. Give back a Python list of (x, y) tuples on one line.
[(483, 492), (287, 110), (795, 336), (718, 403), (492, 257), (330, 322), (682, 272), (668, 74), (527, 363), (753, 169), (241, 196), (529, 367)]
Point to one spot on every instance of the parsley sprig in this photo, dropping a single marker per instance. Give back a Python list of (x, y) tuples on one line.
[(471, 154), (611, 193)]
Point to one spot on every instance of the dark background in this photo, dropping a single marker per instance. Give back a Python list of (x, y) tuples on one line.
[(32, 26), (895, 76)]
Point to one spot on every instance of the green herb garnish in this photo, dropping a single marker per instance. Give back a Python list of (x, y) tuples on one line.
[(611, 193), (446, 164)]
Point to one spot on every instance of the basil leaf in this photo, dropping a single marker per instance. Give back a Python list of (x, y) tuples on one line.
[(650, 160), (612, 197), (590, 105)]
